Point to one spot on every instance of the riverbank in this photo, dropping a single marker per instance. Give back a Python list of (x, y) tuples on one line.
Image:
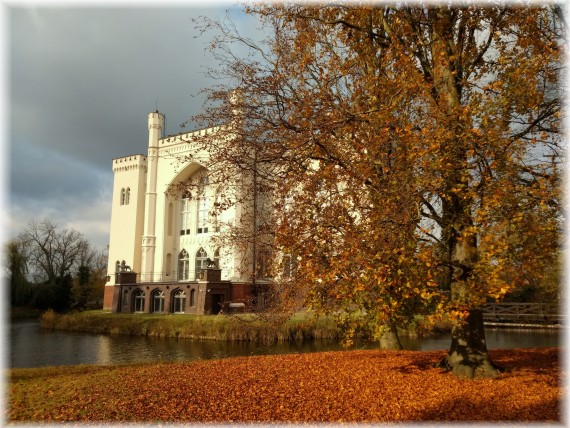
[(345, 386), (242, 327)]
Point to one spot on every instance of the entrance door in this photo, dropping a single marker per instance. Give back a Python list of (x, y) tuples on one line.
[(217, 302)]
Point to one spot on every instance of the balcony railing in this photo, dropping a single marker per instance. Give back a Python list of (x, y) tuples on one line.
[(173, 276)]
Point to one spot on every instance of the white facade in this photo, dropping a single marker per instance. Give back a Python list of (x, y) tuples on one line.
[(165, 236)]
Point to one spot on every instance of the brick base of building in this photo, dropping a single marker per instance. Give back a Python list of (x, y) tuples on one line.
[(208, 295), (108, 297)]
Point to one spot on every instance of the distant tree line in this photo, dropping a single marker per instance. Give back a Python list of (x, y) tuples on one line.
[(52, 268)]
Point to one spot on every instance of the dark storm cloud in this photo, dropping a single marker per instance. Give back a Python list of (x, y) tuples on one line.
[(49, 175), (82, 81), (48, 184), (86, 79)]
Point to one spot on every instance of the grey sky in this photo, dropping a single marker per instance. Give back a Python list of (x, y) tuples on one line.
[(80, 84)]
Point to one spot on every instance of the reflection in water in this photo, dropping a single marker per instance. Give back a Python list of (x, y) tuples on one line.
[(104, 350), (30, 346)]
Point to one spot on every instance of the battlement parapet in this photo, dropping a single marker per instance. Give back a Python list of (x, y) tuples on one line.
[(129, 163), (187, 137)]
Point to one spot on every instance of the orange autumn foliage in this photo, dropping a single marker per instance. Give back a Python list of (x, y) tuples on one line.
[(350, 386), (409, 154)]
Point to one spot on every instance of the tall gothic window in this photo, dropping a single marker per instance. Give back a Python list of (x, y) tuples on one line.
[(217, 258), (203, 204), (262, 263), (201, 261), (289, 266), (185, 213), (217, 205), (183, 265), (123, 196)]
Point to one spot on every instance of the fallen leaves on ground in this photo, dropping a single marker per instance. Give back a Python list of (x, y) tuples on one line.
[(370, 386)]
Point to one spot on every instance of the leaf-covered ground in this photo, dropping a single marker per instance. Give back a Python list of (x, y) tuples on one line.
[(371, 386)]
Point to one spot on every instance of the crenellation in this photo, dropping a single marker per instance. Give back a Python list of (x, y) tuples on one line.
[(130, 158), (187, 136), (129, 163)]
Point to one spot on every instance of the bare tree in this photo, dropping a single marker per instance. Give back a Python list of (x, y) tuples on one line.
[(53, 253), (16, 266)]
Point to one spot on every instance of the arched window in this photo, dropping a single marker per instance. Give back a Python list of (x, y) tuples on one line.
[(127, 195), (158, 301), (203, 206), (289, 266), (201, 261), (123, 195), (185, 213), (183, 265), (138, 301), (217, 208), (193, 297), (217, 258), (262, 263), (178, 301)]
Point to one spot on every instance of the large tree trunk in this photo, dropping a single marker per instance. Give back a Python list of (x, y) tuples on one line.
[(468, 353), (468, 356), (389, 338)]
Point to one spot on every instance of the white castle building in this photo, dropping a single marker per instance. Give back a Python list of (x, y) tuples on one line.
[(163, 255)]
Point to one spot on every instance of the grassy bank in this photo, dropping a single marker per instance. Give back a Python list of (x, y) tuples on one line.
[(348, 386), (246, 327)]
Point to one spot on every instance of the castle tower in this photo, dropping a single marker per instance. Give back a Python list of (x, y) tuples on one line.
[(155, 129), (127, 216)]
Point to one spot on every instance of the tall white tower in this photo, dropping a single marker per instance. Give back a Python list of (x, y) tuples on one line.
[(155, 128), (127, 217)]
